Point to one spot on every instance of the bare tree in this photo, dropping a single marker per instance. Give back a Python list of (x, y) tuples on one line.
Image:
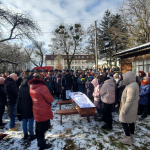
[(136, 14), (67, 40), (14, 54), (17, 26), (36, 53)]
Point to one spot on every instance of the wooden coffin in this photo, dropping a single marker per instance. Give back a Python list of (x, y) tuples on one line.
[(86, 109)]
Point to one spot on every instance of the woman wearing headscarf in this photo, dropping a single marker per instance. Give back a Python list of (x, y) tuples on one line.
[(144, 97), (141, 75), (42, 100)]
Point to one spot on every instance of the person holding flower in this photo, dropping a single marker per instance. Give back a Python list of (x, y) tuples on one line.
[(81, 84)]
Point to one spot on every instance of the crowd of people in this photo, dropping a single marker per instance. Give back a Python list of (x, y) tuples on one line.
[(29, 96)]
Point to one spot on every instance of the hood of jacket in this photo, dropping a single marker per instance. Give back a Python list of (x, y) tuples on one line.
[(111, 82), (8, 79), (95, 82), (128, 77), (34, 83)]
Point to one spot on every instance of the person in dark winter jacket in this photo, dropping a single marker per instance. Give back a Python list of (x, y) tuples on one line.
[(105, 76), (19, 81), (120, 89), (89, 88), (66, 84), (49, 84), (141, 75), (81, 84), (11, 95), (75, 85), (58, 85), (144, 97), (3, 101), (26, 108)]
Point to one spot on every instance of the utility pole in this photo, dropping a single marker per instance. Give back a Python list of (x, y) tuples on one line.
[(96, 59)]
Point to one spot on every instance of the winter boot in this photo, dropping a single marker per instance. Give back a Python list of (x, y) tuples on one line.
[(32, 137), (43, 145), (126, 140), (139, 113), (38, 143), (17, 124), (132, 138), (13, 129), (144, 116), (25, 137), (106, 127)]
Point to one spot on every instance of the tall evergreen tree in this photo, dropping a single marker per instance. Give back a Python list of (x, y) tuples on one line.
[(114, 37)]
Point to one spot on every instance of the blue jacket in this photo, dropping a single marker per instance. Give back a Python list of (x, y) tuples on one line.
[(144, 94), (81, 86)]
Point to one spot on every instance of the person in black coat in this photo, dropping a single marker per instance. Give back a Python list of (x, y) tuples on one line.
[(11, 95), (120, 88), (89, 88), (3, 101), (19, 81), (26, 108), (66, 84), (75, 84)]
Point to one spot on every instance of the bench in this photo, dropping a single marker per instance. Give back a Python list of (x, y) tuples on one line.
[(63, 103), (66, 112)]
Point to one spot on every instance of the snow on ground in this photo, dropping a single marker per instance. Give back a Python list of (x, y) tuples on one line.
[(77, 134)]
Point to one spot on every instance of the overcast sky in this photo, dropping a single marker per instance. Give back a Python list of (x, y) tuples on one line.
[(50, 13)]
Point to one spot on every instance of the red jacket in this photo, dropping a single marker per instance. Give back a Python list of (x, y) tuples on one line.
[(41, 99)]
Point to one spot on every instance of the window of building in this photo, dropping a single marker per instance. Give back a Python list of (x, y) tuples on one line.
[(76, 62), (72, 62), (83, 61), (52, 57), (52, 62), (78, 56), (76, 67), (82, 56), (92, 56), (69, 56), (65, 61), (72, 67), (87, 56), (82, 67), (79, 61), (66, 67), (141, 65)]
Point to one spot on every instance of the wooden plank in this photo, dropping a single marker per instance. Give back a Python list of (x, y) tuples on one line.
[(67, 112), (63, 102)]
